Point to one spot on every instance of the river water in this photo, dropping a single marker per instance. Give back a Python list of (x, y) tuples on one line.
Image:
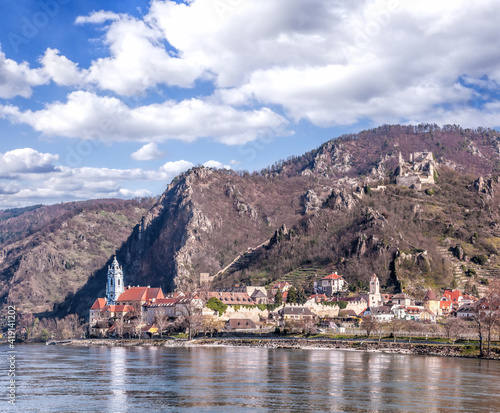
[(237, 379)]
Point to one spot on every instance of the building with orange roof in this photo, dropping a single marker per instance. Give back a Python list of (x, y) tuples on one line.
[(318, 298), (117, 311), (162, 307), (455, 296), (333, 284), (138, 296), (282, 286), (95, 311), (445, 308), (120, 301)]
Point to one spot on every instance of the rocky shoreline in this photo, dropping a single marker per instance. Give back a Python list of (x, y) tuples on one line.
[(442, 350)]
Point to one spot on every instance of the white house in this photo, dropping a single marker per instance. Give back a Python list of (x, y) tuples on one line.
[(333, 283)]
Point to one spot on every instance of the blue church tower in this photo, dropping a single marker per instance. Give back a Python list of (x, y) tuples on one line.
[(114, 285)]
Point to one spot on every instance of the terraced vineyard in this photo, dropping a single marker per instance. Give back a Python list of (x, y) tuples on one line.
[(488, 273), (304, 277)]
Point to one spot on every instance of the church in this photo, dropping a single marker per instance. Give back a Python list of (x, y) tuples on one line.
[(120, 300)]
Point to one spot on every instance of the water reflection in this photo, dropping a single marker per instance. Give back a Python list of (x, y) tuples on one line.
[(62, 379), (118, 395)]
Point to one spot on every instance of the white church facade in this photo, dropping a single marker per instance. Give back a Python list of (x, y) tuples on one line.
[(114, 283)]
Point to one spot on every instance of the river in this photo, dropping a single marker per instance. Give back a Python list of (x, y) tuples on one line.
[(240, 379)]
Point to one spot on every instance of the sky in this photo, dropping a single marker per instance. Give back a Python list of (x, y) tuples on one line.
[(114, 99)]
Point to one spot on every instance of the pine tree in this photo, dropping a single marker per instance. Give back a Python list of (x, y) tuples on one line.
[(278, 298), (301, 296), (292, 295)]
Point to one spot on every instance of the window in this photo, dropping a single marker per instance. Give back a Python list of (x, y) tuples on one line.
[(111, 282), (118, 282)]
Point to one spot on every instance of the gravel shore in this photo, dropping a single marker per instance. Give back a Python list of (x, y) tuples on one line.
[(444, 350)]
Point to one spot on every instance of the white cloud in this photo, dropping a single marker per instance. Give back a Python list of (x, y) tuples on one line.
[(336, 63), (138, 58), (325, 61), (175, 168), (98, 17), (216, 165), (88, 116), (24, 161), (148, 152), (28, 177), (17, 79), (61, 70)]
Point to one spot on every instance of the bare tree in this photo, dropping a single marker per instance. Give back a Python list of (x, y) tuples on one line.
[(133, 320), (487, 317), (73, 323), (191, 304), (161, 321), (410, 327), (369, 323), (453, 327), (62, 329), (380, 328), (393, 327), (119, 326)]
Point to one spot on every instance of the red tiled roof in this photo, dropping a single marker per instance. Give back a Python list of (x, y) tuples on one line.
[(332, 276), (140, 294), (156, 293), (119, 308), (99, 304), (452, 295)]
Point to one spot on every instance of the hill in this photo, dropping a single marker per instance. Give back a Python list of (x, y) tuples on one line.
[(48, 252), (337, 207), (418, 205)]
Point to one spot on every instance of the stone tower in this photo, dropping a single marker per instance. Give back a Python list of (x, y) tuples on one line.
[(374, 298), (114, 285)]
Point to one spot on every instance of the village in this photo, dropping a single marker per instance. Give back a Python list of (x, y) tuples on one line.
[(138, 311)]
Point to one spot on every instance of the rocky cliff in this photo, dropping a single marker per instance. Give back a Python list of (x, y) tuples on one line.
[(337, 207)]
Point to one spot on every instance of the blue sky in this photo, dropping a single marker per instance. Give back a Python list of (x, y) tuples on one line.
[(114, 99)]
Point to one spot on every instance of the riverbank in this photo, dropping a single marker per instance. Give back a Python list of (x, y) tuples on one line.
[(442, 350)]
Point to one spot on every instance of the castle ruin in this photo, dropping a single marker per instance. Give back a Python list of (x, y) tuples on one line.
[(419, 170)]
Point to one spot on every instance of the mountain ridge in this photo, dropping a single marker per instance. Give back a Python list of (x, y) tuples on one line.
[(336, 207)]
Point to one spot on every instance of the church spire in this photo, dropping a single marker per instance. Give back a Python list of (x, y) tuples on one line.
[(114, 284)]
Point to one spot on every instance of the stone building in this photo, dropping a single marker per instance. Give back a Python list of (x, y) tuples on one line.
[(419, 170)]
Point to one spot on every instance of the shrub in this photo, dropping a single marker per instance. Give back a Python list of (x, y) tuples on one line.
[(217, 305), (480, 259)]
